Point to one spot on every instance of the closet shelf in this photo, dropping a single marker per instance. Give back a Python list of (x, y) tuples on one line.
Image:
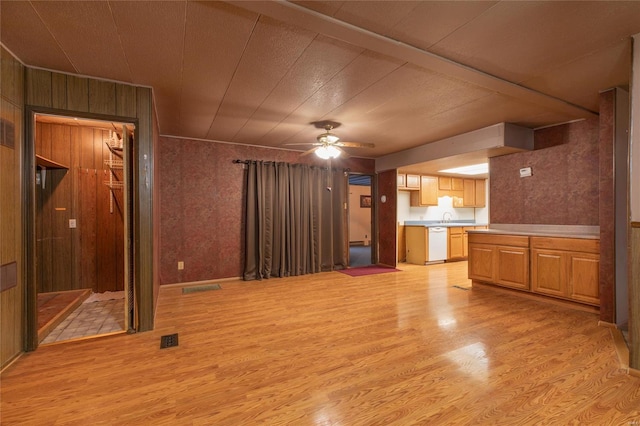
[(114, 164), (114, 184), (45, 163)]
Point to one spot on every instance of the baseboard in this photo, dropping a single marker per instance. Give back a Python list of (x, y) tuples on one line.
[(11, 362), (633, 372), (621, 347), (192, 283)]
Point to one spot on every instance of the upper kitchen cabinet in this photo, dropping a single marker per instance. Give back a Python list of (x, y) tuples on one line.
[(447, 183), (474, 193), (427, 195), (451, 187), (408, 181), (413, 181)]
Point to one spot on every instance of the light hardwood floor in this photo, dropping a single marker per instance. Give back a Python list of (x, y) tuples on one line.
[(399, 348)]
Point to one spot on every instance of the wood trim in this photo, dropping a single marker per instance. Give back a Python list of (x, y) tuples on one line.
[(39, 88), (143, 210), (635, 224), (204, 282), (621, 346), (634, 298)]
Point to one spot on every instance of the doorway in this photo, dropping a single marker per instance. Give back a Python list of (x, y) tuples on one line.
[(81, 218), (360, 220)]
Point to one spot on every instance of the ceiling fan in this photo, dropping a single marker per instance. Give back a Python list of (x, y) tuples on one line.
[(328, 145)]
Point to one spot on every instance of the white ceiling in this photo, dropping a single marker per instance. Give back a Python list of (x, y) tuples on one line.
[(395, 73)]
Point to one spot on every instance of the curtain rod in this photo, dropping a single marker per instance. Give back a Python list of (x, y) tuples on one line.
[(274, 162)]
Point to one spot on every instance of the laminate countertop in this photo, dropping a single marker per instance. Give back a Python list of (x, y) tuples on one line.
[(432, 224), (557, 231)]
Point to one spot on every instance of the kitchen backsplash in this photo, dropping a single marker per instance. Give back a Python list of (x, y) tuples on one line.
[(445, 205)]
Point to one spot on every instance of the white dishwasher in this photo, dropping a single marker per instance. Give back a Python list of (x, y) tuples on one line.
[(438, 237)]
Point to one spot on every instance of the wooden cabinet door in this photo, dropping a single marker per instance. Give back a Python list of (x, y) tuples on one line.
[(480, 195), (455, 248), (428, 191), (548, 272), (402, 244), (402, 181), (584, 277), (457, 184), (413, 181), (481, 262), (512, 268), (417, 241), (444, 183), (469, 192), (465, 240)]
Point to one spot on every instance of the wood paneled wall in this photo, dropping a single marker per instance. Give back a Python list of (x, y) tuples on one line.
[(92, 254), (634, 298), (11, 241), (52, 92)]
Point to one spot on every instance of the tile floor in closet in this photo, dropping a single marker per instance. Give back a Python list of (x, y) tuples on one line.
[(91, 318)]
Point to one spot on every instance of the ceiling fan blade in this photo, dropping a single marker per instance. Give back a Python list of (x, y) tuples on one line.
[(355, 144), (302, 143), (307, 152), (343, 153)]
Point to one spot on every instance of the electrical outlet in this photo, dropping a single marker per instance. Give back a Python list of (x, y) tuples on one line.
[(180, 265)]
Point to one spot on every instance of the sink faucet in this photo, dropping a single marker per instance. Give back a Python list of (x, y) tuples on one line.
[(446, 217)]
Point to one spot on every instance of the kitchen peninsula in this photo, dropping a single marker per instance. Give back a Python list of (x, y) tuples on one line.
[(556, 261)]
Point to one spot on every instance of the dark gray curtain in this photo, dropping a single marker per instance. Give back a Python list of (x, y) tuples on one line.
[(294, 224)]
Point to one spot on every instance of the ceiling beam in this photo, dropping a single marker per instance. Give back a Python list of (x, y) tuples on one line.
[(294, 14)]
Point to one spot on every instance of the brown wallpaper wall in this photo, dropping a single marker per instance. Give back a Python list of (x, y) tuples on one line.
[(564, 188), (201, 211), (607, 206)]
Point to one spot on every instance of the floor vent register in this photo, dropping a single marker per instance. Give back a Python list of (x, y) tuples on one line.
[(168, 341)]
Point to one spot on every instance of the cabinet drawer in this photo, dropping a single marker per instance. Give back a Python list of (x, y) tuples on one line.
[(499, 239), (584, 245)]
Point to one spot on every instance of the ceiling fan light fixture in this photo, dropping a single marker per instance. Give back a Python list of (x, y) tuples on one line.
[(328, 138), (326, 152)]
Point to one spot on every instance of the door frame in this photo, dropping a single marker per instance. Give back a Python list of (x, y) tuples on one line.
[(374, 235), (29, 217)]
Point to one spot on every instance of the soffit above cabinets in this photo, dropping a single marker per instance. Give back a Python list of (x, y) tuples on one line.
[(395, 74)]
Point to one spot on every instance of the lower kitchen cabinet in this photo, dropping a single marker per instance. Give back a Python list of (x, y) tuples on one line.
[(402, 244), (499, 259), (455, 248), (481, 261), (512, 268), (417, 244), (567, 268)]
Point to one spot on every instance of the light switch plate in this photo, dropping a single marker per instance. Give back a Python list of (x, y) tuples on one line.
[(72, 223)]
